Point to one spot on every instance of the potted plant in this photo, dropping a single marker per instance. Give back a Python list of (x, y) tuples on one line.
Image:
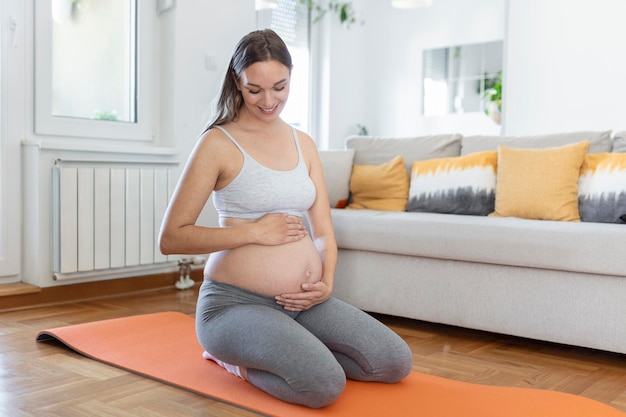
[(493, 97)]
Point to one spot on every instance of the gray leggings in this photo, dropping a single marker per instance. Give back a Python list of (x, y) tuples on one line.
[(304, 357)]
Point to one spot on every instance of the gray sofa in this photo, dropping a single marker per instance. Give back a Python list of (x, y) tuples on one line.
[(557, 281)]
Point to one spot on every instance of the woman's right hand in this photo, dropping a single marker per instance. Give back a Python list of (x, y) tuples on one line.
[(278, 229)]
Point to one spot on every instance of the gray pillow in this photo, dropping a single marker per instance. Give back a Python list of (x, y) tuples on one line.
[(370, 150), (619, 142), (599, 141), (337, 167)]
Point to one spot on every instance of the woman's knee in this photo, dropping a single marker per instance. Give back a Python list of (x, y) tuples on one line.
[(323, 388), (308, 385), (400, 362)]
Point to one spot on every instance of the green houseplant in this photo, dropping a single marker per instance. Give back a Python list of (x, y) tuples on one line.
[(493, 97), (343, 9)]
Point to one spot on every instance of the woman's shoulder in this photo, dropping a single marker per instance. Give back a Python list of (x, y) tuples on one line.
[(308, 147), (305, 138), (215, 142), (215, 136)]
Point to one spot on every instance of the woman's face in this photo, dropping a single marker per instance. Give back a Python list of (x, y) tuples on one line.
[(265, 88)]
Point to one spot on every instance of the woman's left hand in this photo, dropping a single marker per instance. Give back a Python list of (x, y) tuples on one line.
[(311, 294)]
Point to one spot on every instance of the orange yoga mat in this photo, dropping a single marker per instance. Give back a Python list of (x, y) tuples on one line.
[(163, 346)]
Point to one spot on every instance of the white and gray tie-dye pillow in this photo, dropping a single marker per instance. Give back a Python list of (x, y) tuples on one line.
[(602, 188), (457, 185)]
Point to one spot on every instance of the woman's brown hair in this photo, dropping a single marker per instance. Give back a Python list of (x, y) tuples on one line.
[(258, 46)]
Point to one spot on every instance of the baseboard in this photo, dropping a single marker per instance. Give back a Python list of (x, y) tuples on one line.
[(92, 290), (17, 288)]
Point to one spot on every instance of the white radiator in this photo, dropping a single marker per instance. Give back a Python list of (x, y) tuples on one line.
[(106, 217)]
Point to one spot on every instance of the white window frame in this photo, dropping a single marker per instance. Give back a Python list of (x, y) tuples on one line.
[(304, 124), (46, 124)]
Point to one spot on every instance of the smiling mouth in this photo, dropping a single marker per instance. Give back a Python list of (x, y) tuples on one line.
[(268, 110)]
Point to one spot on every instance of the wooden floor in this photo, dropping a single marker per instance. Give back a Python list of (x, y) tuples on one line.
[(46, 379)]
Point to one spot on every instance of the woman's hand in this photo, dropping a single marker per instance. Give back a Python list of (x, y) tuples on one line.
[(311, 295), (278, 229)]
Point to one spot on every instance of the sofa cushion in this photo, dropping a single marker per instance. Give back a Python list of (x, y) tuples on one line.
[(539, 183), (619, 142), (599, 141), (371, 150), (380, 187), (510, 241), (602, 188), (337, 167), (457, 185)]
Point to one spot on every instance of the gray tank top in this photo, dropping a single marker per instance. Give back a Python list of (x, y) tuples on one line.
[(258, 190)]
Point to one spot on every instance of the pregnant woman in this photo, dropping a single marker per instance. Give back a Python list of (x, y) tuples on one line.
[(265, 311)]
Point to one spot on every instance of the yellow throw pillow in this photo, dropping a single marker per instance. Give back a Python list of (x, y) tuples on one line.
[(380, 187), (539, 183)]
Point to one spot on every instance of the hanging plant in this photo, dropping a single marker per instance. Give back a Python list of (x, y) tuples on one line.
[(343, 9)]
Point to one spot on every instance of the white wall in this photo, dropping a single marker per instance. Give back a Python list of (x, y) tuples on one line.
[(565, 66), (376, 68), (12, 109), (203, 27), (346, 77)]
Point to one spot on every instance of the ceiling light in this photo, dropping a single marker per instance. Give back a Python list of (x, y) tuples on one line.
[(411, 4), (265, 4)]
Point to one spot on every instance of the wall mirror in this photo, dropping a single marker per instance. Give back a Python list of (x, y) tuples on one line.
[(456, 78)]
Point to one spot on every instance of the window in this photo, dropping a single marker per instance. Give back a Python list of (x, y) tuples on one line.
[(290, 19), (93, 68), (435, 82), (456, 78)]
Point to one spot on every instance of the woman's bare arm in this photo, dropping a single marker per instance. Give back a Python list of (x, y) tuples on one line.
[(204, 172)]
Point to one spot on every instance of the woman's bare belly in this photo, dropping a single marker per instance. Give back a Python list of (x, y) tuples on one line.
[(267, 270)]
